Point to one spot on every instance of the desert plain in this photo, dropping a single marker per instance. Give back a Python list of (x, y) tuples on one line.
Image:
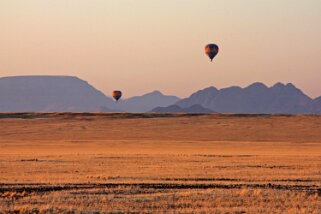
[(156, 163)]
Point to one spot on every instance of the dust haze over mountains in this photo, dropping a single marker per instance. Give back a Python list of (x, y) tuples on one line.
[(71, 94)]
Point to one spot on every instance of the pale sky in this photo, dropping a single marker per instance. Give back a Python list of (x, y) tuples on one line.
[(141, 45)]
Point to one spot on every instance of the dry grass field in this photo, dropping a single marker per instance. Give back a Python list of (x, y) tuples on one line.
[(100, 163)]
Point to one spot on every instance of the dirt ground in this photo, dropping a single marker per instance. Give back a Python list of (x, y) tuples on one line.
[(119, 162)]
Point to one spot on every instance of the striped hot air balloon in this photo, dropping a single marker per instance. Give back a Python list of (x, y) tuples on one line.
[(211, 50)]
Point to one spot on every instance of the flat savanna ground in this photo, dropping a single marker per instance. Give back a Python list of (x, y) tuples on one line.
[(216, 163)]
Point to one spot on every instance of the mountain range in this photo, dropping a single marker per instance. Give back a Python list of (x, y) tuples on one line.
[(145, 102), (256, 98), (71, 94)]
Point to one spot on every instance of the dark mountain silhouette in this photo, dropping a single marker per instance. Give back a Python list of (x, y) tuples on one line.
[(256, 98), (196, 109), (50, 94), (145, 102)]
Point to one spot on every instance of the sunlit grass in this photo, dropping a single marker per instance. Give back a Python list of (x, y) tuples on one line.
[(212, 164)]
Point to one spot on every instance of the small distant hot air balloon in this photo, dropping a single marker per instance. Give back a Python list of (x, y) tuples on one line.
[(211, 50), (116, 95)]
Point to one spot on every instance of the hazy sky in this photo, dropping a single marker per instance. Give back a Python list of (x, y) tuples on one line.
[(141, 45)]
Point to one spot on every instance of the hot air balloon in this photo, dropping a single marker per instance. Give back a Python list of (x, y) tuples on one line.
[(211, 50), (116, 95)]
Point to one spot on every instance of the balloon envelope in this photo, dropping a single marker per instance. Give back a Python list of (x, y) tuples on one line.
[(116, 95), (211, 50)]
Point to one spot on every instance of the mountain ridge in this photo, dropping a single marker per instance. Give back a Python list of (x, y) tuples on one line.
[(145, 102), (255, 98), (49, 94), (45, 93), (38, 93)]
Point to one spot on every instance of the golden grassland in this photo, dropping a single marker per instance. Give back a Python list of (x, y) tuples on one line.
[(215, 163)]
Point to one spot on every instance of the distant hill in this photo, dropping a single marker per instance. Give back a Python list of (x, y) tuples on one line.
[(196, 109), (67, 93), (50, 94), (145, 102), (256, 98), (315, 106)]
